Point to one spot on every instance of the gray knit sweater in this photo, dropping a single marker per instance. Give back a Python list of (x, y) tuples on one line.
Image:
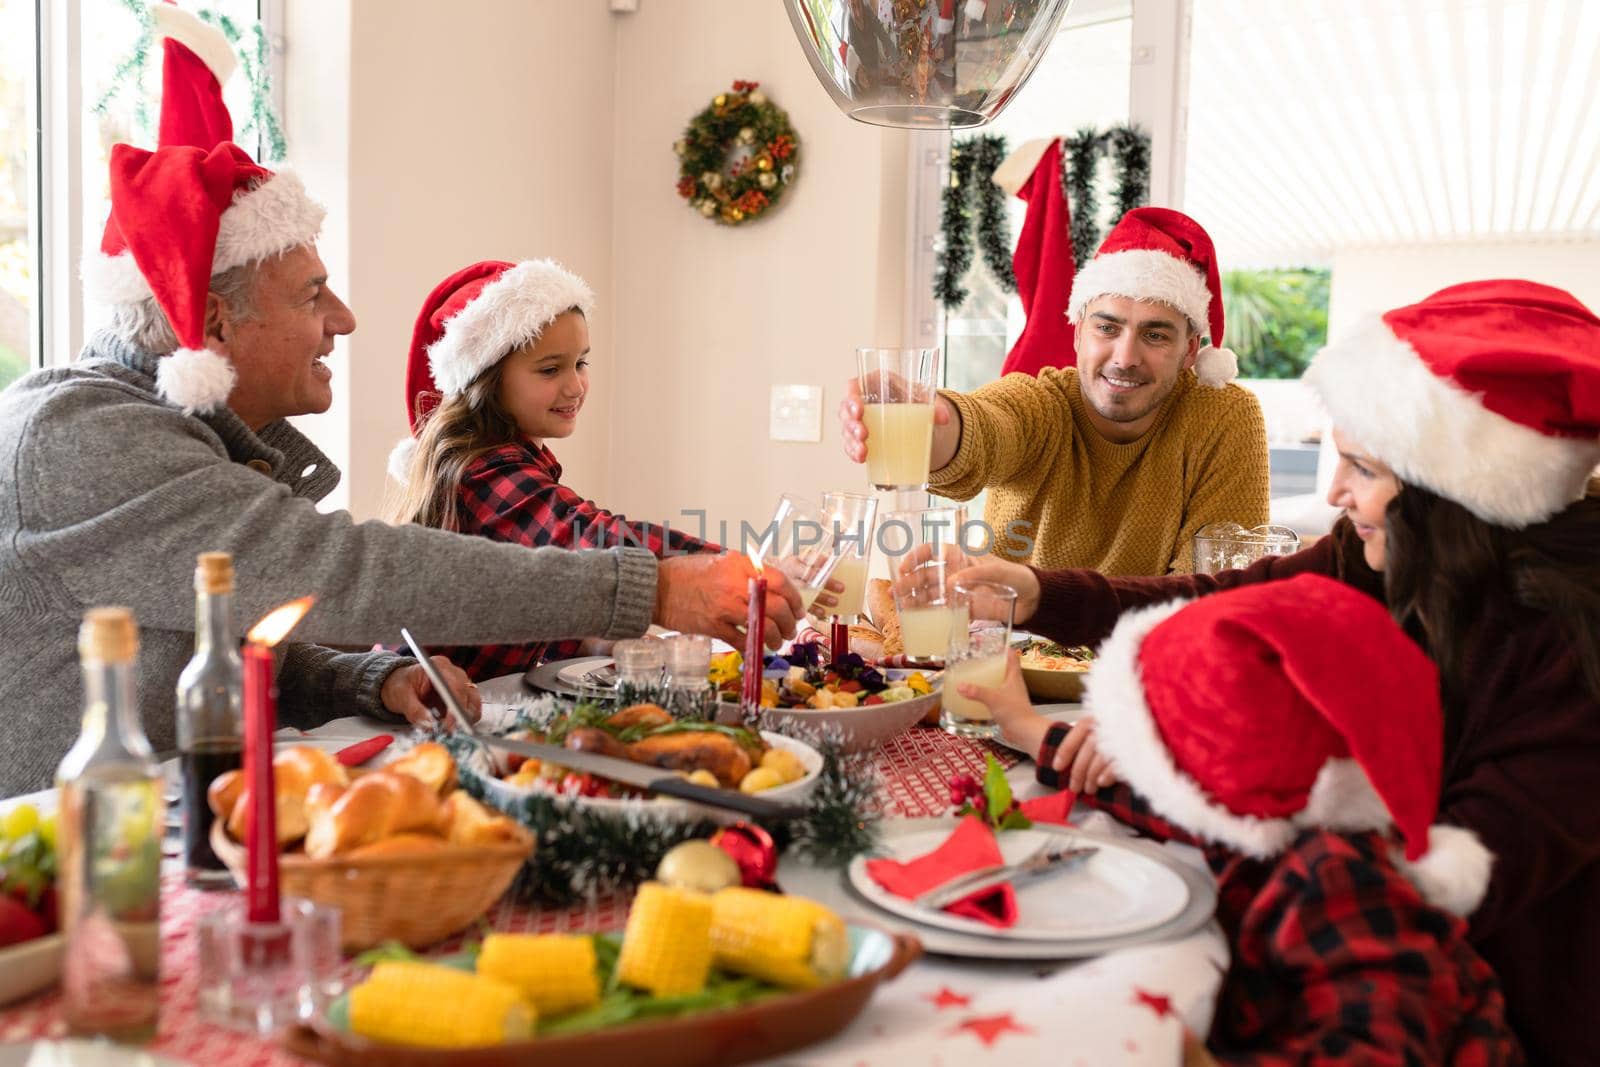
[(108, 492)]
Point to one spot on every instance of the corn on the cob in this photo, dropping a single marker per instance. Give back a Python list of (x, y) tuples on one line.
[(788, 941), (413, 1003), (555, 972), (666, 947)]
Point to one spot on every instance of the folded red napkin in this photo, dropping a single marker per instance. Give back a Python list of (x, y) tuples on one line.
[(971, 846), (1052, 807)]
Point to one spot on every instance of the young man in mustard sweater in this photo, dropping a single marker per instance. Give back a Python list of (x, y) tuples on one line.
[(1116, 463)]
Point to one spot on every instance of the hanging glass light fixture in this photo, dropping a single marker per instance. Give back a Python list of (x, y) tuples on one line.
[(925, 64)]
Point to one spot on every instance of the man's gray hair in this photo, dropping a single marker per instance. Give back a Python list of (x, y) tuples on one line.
[(144, 325)]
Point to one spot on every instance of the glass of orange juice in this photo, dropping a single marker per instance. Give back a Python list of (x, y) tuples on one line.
[(924, 546), (850, 518), (977, 654), (898, 388)]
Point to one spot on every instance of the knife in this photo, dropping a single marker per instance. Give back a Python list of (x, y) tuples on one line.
[(645, 776), (1045, 861)]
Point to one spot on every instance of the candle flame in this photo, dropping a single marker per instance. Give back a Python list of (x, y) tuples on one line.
[(277, 623)]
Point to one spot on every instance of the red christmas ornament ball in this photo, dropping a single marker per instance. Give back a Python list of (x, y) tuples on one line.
[(752, 849)]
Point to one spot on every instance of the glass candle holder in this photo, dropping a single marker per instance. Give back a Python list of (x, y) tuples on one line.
[(261, 977)]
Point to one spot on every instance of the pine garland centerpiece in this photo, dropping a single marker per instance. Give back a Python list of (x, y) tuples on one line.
[(737, 156)]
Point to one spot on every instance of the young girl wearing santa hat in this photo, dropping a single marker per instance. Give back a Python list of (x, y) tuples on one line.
[(1468, 426), (499, 365)]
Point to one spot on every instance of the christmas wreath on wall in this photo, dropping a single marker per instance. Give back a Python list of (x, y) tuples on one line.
[(737, 156)]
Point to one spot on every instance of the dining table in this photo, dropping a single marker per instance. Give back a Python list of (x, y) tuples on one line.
[(1130, 1006)]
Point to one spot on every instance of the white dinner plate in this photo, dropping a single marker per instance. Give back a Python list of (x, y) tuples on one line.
[(832, 888), (1113, 893)]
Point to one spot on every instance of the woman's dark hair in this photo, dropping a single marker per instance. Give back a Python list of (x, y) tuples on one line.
[(1447, 569)]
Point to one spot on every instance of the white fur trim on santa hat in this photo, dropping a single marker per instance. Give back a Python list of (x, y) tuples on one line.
[(400, 457), (1143, 274), (197, 380), (1435, 434), (1454, 873), (506, 314), (1015, 170), (1126, 732), (201, 38), (1216, 367), (267, 220)]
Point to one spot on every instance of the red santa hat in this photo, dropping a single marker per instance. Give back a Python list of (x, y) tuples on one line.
[(471, 321), (1487, 393), (196, 206), (1155, 253), (1248, 716)]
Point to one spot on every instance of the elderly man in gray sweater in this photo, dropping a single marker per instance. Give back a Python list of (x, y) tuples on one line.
[(169, 438)]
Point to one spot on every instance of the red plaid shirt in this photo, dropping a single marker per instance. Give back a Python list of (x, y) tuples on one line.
[(1337, 959), (514, 494)]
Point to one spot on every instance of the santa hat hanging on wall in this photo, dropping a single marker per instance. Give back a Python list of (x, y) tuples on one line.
[(471, 321), (1487, 393), (196, 206), (1157, 254), (1043, 259), (1287, 736)]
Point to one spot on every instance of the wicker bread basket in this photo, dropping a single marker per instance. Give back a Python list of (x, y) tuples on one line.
[(415, 899)]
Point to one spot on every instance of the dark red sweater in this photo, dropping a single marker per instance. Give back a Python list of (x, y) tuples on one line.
[(1522, 770)]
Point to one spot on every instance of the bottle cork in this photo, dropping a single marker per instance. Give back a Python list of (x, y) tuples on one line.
[(108, 635), (213, 573)]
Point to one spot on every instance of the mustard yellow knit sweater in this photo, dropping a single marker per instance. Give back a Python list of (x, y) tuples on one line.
[(1084, 501)]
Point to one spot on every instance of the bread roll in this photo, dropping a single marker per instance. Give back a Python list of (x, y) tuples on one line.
[(400, 845), (374, 807), (295, 770), (431, 763), (881, 610), (468, 822), (866, 642)]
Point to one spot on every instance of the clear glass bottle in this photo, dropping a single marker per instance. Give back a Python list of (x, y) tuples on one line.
[(210, 715), (109, 845)]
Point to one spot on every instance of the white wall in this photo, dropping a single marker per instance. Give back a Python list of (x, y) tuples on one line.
[(520, 128), (1371, 280), (438, 141), (708, 318)]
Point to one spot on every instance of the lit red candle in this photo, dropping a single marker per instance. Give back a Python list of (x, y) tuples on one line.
[(755, 624), (260, 720), (839, 640)]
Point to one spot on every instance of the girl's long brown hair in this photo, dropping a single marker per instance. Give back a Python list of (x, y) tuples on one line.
[(458, 431), (1448, 570)]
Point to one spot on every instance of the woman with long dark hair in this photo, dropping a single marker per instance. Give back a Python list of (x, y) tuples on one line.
[(1468, 429)]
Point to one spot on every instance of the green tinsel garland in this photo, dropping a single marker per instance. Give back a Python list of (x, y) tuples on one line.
[(1131, 148), (262, 122), (994, 230), (584, 851), (956, 223), (1078, 185)]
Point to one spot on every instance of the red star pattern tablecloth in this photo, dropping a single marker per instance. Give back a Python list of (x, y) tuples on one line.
[(940, 1012)]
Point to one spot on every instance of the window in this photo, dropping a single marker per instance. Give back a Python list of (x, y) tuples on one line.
[(1082, 81), (19, 183), (58, 121)]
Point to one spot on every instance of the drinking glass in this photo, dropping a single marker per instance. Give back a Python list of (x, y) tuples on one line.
[(898, 389), (1227, 546), (850, 521), (800, 544), (925, 547), (977, 655)]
